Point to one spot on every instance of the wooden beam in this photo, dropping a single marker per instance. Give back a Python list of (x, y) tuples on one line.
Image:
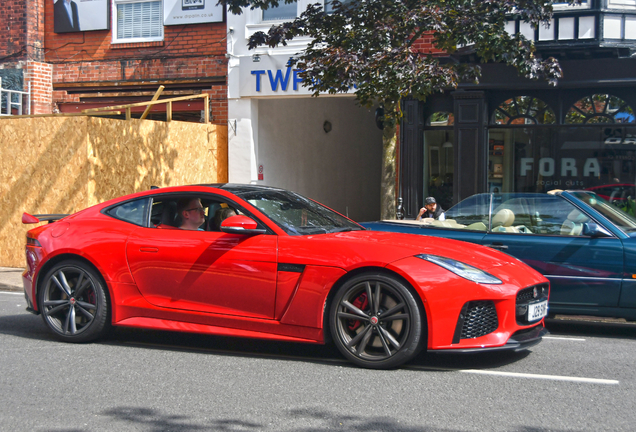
[(114, 84), (75, 114), (169, 112), (136, 94), (154, 98), (206, 109), (181, 98)]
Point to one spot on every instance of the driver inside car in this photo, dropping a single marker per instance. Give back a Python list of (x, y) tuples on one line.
[(192, 214)]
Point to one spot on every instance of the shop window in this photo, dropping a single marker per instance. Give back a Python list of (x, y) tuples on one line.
[(137, 21), (600, 108), (441, 118), (522, 110), (439, 158)]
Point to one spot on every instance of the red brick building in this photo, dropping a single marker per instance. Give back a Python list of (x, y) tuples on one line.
[(121, 53)]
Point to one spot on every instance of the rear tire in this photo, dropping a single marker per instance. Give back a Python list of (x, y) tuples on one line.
[(74, 302), (375, 321)]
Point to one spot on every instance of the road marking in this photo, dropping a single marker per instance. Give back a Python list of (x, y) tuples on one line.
[(10, 292), (545, 377), (564, 338), (344, 362)]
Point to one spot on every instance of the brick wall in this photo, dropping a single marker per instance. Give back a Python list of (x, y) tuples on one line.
[(187, 52), (425, 45), (39, 75), (12, 28)]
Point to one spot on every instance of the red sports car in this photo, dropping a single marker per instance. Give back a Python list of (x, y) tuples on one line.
[(261, 262)]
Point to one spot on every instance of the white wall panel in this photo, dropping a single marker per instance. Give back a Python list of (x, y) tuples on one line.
[(630, 28), (526, 30), (566, 28), (586, 27), (341, 168), (546, 33), (611, 27)]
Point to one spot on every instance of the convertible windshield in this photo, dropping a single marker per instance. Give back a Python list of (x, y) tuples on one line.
[(296, 214), (622, 220)]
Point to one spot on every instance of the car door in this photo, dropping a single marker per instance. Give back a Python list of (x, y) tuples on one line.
[(546, 233), (205, 271)]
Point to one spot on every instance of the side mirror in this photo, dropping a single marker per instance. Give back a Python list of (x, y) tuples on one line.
[(241, 224), (594, 230)]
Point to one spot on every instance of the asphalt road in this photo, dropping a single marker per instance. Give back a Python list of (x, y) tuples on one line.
[(581, 378)]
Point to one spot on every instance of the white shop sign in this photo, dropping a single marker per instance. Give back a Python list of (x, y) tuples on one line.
[(270, 76)]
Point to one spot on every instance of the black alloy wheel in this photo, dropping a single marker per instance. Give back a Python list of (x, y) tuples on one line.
[(376, 322), (73, 302)]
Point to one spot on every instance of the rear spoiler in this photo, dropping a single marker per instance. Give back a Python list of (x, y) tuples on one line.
[(31, 219)]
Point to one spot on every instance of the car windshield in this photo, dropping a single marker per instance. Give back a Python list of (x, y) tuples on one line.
[(622, 220), (296, 214)]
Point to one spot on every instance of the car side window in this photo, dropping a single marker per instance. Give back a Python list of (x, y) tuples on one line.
[(471, 213), (164, 213), (131, 211), (544, 215)]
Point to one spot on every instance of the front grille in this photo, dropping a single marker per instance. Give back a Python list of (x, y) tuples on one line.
[(527, 294), (525, 297), (479, 318)]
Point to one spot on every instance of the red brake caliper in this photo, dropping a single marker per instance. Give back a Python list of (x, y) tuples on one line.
[(361, 302)]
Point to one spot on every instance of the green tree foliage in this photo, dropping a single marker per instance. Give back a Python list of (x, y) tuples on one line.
[(370, 47)]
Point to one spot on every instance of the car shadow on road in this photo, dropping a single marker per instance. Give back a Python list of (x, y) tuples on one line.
[(314, 353), (31, 327), (25, 325), (598, 328)]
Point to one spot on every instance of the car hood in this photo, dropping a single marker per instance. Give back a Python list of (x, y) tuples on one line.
[(381, 248)]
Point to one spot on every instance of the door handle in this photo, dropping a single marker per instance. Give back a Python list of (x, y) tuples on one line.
[(148, 249), (497, 246)]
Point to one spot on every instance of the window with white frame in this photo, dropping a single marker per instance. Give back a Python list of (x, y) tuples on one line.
[(137, 21), (560, 5), (329, 6), (262, 20), (621, 4), (283, 12)]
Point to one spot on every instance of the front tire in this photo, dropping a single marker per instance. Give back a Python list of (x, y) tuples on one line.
[(376, 322), (74, 302)]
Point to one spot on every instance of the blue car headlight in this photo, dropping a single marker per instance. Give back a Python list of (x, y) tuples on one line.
[(460, 269)]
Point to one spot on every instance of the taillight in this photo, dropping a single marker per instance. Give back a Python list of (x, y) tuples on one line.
[(30, 241)]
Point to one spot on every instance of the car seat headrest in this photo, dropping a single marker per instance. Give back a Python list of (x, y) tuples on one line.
[(504, 217)]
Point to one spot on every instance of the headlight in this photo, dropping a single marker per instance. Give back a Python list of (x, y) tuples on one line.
[(460, 269)]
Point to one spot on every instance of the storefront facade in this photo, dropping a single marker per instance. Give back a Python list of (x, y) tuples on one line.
[(327, 147), (508, 134)]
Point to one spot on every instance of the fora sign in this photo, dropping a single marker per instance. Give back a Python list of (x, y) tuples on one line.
[(568, 167)]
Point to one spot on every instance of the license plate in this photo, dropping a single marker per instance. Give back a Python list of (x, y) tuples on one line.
[(537, 311)]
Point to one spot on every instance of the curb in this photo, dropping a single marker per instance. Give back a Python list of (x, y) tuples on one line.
[(11, 279), (13, 288)]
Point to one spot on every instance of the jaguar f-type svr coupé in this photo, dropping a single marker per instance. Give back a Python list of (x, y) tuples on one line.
[(261, 262)]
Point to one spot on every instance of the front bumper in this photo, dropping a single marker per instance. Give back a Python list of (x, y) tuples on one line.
[(521, 340)]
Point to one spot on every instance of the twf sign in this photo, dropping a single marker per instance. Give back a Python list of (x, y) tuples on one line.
[(277, 80), (269, 76)]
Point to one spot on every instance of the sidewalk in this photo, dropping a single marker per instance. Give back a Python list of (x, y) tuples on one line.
[(11, 279)]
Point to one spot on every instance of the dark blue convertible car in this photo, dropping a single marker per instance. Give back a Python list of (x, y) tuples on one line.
[(585, 246)]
